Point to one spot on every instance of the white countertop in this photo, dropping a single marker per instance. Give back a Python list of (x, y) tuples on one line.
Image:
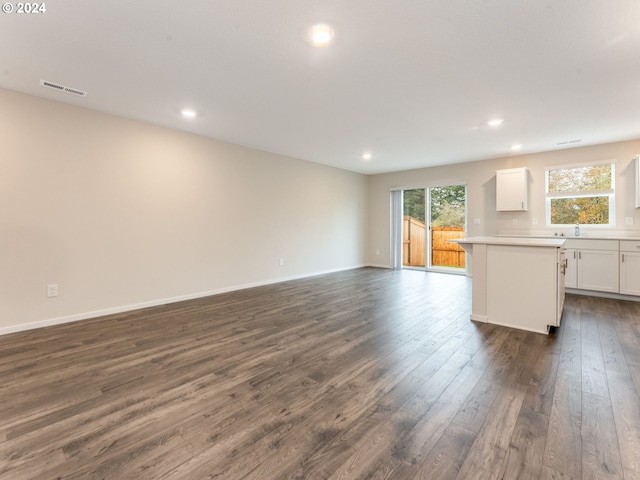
[(572, 237), (522, 241)]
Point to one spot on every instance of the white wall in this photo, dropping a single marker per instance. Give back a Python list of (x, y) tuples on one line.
[(481, 197), (122, 214)]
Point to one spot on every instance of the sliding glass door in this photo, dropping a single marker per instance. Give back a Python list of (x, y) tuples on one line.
[(430, 217), (447, 215), (414, 228)]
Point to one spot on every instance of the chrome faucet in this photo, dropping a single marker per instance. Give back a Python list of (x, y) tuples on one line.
[(577, 229)]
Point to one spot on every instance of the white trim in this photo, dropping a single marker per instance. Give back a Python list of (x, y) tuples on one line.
[(154, 303), (396, 202), (582, 194)]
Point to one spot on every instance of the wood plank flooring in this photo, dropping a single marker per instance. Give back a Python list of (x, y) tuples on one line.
[(363, 374)]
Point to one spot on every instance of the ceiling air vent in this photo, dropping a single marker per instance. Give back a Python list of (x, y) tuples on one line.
[(568, 142), (62, 88)]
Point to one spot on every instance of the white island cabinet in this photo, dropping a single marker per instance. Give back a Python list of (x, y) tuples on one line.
[(517, 282)]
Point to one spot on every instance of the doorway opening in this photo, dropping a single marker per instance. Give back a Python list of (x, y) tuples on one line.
[(432, 216)]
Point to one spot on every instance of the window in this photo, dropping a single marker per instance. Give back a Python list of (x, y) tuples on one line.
[(581, 194)]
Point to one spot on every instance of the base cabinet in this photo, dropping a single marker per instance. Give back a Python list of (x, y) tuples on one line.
[(630, 267), (571, 277), (594, 267), (516, 282), (599, 265), (530, 300), (598, 270)]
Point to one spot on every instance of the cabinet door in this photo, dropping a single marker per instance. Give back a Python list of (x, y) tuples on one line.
[(571, 273), (560, 284), (630, 273), (511, 190), (598, 270)]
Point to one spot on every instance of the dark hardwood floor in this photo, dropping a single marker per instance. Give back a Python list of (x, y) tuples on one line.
[(364, 374)]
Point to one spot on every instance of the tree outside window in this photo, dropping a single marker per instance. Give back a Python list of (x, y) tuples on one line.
[(447, 205), (581, 194)]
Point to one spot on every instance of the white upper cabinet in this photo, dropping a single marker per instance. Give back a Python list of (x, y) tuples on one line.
[(512, 190)]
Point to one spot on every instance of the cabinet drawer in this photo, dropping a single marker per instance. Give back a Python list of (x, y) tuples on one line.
[(630, 245), (586, 244)]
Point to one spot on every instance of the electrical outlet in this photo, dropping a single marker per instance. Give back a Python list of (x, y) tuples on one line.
[(52, 290), (514, 221), (281, 262), (629, 220), (534, 221), (476, 221), (377, 252)]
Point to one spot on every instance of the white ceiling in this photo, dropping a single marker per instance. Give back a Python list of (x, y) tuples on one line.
[(412, 81)]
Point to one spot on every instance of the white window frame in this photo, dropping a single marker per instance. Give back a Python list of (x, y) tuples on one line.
[(610, 192)]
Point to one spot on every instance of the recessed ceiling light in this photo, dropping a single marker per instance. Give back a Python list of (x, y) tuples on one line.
[(516, 147), (322, 35), (495, 122), (188, 113), (367, 156)]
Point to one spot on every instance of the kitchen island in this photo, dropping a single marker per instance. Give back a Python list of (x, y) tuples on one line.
[(517, 282)]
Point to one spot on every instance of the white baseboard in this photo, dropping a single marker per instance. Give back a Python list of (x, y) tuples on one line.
[(479, 318), (378, 265), (593, 293), (162, 301)]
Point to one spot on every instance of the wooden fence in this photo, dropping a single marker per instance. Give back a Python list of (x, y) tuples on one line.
[(443, 254), (413, 242)]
